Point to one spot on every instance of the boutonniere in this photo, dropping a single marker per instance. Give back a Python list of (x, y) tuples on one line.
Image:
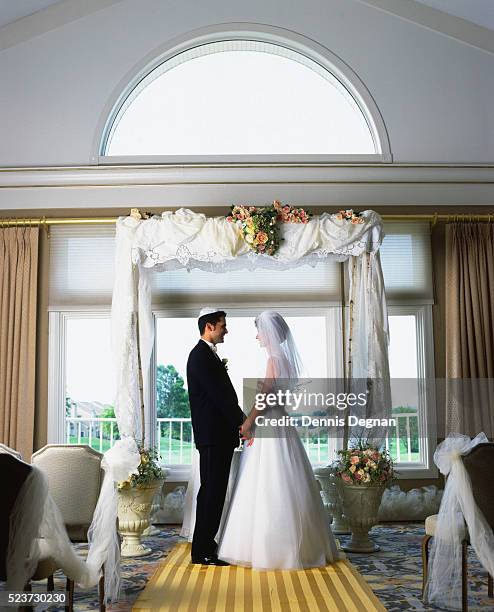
[(224, 361)]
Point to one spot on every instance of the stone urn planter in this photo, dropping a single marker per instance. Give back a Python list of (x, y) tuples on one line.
[(134, 509), (360, 508), (332, 497)]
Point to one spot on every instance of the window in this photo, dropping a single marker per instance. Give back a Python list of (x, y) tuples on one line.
[(411, 355), (238, 98), (82, 390), (176, 336)]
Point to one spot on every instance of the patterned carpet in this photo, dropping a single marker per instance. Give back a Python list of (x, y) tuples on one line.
[(394, 573)]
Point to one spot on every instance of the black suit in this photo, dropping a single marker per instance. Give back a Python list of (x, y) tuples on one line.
[(216, 417)]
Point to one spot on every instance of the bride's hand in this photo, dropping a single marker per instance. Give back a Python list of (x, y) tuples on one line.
[(246, 433)]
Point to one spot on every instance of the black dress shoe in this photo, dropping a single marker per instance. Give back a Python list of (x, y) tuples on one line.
[(211, 560)]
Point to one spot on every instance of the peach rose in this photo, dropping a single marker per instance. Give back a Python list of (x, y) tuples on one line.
[(262, 238)]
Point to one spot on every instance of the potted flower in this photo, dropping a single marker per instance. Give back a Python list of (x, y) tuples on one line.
[(364, 471), (135, 499)]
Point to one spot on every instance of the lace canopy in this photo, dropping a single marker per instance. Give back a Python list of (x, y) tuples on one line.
[(185, 239)]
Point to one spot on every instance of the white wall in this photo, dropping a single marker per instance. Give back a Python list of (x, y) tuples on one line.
[(435, 93)]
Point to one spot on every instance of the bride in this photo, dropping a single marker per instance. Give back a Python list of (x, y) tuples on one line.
[(275, 518)]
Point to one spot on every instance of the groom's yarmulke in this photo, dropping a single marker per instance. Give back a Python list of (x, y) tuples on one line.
[(209, 310)]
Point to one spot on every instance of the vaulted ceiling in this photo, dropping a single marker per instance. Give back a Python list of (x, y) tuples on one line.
[(12, 11), (480, 12)]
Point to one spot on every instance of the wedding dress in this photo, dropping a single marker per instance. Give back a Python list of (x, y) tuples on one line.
[(276, 519)]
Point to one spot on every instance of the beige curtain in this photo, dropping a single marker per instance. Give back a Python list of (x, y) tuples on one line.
[(470, 328), (18, 292)]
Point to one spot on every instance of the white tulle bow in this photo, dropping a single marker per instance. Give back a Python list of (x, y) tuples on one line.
[(457, 508)]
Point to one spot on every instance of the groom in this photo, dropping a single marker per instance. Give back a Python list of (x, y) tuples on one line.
[(216, 419)]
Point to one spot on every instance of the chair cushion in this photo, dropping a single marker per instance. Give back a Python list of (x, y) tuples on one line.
[(430, 524)]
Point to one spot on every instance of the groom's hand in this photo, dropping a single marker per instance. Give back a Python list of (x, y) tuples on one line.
[(245, 432)]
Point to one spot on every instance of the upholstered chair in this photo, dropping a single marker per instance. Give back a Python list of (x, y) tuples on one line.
[(74, 476), (477, 464)]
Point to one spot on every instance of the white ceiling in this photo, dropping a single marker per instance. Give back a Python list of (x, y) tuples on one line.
[(11, 10), (480, 12)]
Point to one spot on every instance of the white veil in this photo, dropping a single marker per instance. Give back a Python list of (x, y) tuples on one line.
[(275, 336)]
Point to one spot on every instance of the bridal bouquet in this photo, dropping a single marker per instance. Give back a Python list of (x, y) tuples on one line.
[(259, 224), (365, 465), (147, 471)]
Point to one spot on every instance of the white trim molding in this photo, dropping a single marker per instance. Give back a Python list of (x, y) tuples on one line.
[(361, 185)]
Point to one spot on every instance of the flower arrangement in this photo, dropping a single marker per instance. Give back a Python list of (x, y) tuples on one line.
[(290, 214), (258, 224), (148, 470), (365, 465), (349, 215)]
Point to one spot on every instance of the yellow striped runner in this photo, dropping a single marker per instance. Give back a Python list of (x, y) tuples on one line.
[(179, 586)]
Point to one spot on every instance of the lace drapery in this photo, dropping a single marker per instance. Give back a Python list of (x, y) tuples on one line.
[(185, 239)]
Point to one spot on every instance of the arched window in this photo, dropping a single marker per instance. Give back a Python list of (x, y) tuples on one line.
[(241, 98)]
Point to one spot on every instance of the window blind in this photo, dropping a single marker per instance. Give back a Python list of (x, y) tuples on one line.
[(407, 262), (82, 272)]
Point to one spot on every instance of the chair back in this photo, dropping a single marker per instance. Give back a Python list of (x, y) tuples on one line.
[(478, 464), (74, 476), (14, 473), (11, 451)]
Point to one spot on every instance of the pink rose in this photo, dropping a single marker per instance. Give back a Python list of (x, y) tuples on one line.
[(346, 478), (261, 247), (229, 218), (355, 459), (357, 476)]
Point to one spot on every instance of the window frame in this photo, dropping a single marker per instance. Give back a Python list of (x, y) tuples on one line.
[(258, 33), (427, 397)]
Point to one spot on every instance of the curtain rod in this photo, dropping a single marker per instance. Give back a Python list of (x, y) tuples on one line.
[(44, 221)]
